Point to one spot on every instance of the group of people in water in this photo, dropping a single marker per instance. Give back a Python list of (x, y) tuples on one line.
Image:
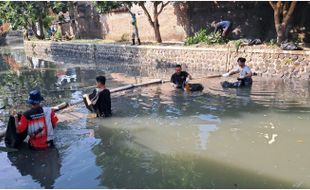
[(39, 122), (180, 79)]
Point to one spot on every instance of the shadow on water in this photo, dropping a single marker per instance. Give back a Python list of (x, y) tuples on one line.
[(126, 164), (42, 166)]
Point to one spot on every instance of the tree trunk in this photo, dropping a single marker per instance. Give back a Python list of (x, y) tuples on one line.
[(280, 34), (41, 37), (282, 14), (34, 29), (26, 34), (157, 31), (71, 14), (156, 23)]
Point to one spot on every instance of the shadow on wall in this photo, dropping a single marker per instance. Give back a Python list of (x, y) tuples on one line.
[(105, 26), (301, 28), (250, 19), (88, 21), (181, 10)]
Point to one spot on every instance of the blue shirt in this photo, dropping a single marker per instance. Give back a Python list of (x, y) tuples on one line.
[(222, 25)]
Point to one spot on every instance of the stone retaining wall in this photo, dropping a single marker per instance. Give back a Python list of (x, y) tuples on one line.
[(266, 62)]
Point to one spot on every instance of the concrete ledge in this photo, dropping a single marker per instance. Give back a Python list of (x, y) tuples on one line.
[(265, 61)]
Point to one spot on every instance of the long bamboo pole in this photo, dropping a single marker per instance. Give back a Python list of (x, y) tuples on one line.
[(65, 105)]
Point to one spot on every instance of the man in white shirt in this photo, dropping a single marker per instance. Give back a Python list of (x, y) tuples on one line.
[(245, 75)]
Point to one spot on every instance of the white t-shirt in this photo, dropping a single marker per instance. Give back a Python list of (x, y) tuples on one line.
[(243, 71)]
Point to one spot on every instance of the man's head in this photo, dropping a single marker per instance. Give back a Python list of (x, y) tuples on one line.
[(35, 98), (241, 61), (100, 81), (178, 69)]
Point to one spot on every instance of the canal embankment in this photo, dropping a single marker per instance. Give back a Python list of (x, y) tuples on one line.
[(265, 61)]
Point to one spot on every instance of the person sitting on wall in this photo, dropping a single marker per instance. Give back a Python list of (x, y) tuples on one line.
[(245, 75), (100, 100), (39, 122), (225, 27)]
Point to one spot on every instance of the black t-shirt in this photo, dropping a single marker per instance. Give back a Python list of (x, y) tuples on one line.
[(179, 79), (103, 105)]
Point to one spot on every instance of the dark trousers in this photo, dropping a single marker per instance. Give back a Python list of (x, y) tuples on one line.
[(241, 83)]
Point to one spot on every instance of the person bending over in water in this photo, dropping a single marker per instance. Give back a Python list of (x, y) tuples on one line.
[(100, 100), (180, 78), (245, 75), (39, 122)]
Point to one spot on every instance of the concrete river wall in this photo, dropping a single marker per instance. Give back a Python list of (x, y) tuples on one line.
[(267, 62)]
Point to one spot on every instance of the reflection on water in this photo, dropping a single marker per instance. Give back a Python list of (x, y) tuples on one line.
[(42, 166), (158, 137)]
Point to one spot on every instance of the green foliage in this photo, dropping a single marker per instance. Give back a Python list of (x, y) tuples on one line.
[(124, 38), (58, 35), (237, 44), (273, 42), (107, 6), (203, 36), (59, 6), (26, 13), (199, 37)]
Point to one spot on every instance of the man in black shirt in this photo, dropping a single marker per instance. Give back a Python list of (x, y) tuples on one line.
[(179, 78), (100, 100)]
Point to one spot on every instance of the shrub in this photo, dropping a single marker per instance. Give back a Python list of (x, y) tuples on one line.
[(124, 38), (273, 42), (203, 36), (237, 44), (58, 35)]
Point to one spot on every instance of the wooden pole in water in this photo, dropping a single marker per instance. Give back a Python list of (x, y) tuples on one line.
[(65, 105), (114, 90)]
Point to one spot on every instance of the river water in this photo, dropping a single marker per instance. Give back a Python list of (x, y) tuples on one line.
[(158, 137)]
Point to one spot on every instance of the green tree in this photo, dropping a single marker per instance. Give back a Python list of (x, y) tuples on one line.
[(26, 14), (158, 7), (282, 14)]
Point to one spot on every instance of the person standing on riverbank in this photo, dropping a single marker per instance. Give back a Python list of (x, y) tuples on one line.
[(39, 122), (135, 33), (100, 100), (245, 75), (180, 78)]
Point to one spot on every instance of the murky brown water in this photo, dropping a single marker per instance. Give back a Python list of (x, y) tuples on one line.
[(161, 138)]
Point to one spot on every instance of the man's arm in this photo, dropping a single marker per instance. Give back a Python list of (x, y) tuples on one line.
[(189, 76), (54, 119), (172, 82), (216, 28), (22, 126), (232, 72)]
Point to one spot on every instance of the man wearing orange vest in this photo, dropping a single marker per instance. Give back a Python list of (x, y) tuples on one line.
[(39, 122)]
